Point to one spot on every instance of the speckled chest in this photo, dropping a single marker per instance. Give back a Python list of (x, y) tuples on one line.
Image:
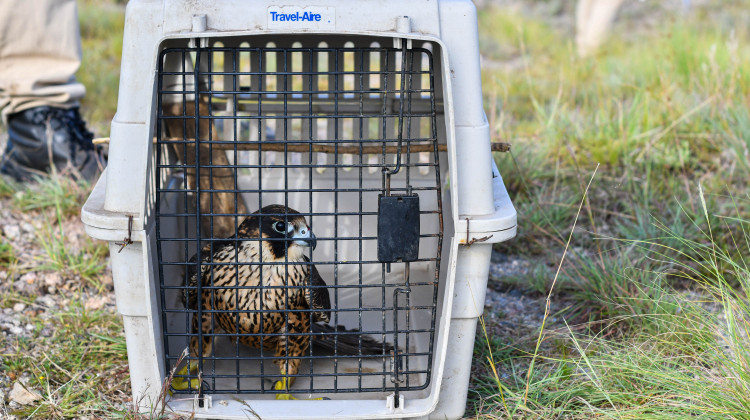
[(256, 293)]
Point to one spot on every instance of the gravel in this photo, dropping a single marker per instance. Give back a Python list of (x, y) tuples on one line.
[(32, 296)]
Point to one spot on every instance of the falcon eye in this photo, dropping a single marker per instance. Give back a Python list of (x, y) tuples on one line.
[(279, 227)]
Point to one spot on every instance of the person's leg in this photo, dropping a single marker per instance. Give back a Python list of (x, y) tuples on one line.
[(593, 21), (40, 51)]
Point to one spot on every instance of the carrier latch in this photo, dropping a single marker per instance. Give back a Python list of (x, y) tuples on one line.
[(398, 228), (398, 215)]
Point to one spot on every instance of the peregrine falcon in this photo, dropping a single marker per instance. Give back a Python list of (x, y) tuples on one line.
[(263, 279)]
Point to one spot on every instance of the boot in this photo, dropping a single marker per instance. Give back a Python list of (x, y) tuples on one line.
[(32, 148)]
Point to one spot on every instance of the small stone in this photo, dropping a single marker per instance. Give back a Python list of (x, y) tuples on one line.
[(11, 232), (15, 330), (23, 396), (27, 227), (46, 332), (29, 327), (46, 300), (29, 278), (515, 293), (19, 286), (96, 302), (53, 279), (18, 307)]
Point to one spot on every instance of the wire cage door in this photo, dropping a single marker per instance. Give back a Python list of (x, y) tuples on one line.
[(326, 131)]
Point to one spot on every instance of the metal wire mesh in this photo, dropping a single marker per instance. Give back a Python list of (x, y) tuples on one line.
[(314, 129)]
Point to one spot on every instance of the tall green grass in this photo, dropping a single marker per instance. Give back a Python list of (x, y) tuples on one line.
[(657, 351), (654, 289)]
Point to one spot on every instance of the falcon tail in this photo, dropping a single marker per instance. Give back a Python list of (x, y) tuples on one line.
[(347, 342)]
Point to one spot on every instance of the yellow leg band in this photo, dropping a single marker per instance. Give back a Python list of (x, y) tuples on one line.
[(181, 384)]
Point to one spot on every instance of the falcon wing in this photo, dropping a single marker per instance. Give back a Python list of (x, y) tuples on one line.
[(317, 296), (190, 294)]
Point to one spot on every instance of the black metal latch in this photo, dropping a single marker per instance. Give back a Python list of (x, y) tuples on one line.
[(398, 215), (398, 228)]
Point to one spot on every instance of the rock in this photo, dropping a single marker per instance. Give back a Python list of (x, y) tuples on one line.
[(27, 227), (11, 232), (29, 278), (96, 302), (53, 279), (23, 396), (47, 301), (20, 287), (19, 307)]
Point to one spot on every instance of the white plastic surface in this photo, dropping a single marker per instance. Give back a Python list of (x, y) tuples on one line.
[(499, 226), (476, 188)]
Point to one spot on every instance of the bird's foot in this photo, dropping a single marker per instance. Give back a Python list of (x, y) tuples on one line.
[(180, 383), (292, 397), (283, 385)]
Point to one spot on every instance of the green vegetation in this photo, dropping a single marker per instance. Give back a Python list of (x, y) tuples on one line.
[(59, 193), (7, 257), (102, 23), (87, 263), (652, 295), (72, 351), (78, 369)]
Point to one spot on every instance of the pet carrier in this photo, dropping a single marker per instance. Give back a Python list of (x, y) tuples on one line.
[(246, 134)]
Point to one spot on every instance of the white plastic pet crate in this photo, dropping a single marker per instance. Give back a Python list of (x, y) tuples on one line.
[(322, 106)]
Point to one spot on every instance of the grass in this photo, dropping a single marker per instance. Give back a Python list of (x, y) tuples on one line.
[(102, 24), (74, 357), (77, 368), (7, 255), (60, 193), (87, 263), (685, 355), (58, 198), (654, 286)]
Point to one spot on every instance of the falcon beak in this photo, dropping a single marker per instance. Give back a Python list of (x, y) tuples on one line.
[(304, 237)]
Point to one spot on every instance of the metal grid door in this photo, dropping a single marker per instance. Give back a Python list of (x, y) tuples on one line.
[(323, 130)]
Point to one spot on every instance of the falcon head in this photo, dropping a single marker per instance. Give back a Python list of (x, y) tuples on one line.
[(287, 231)]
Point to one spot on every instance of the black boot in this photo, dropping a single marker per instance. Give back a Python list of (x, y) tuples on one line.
[(30, 146)]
